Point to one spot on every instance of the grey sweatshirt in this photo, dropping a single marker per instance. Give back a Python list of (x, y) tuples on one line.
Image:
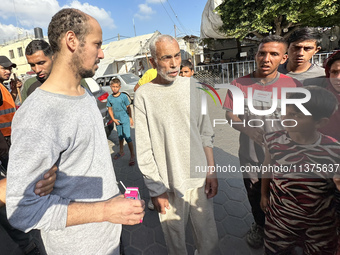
[(170, 135), (68, 130)]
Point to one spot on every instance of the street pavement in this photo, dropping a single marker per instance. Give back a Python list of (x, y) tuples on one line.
[(232, 210)]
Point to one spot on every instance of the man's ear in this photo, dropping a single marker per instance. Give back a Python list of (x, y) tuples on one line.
[(317, 49), (284, 59), (71, 40), (322, 122)]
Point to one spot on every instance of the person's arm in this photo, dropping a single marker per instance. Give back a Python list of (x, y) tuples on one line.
[(42, 188), (130, 114), (254, 133), (136, 87), (118, 210), (113, 116), (265, 182), (207, 135), (26, 210), (211, 183), (146, 160)]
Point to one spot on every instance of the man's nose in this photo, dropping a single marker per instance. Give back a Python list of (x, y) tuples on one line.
[(301, 51), (172, 62), (37, 69), (100, 54), (266, 57)]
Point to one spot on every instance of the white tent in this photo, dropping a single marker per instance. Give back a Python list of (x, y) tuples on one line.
[(120, 56), (211, 21)]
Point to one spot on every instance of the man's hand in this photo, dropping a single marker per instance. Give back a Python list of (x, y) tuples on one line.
[(256, 134), (161, 202), (126, 211), (45, 186), (211, 185), (264, 202), (131, 122), (116, 121)]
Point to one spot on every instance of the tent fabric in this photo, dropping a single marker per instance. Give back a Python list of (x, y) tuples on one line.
[(211, 21), (126, 50)]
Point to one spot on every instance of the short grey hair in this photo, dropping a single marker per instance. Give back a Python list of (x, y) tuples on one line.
[(157, 39)]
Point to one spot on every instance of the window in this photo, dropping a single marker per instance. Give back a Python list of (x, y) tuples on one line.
[(20, 52), (11, 54), (130, 78)]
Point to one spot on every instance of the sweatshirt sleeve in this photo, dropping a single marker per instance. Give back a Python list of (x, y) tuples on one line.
[(204, 123), (146, 160), (32, 154), (206, 131)]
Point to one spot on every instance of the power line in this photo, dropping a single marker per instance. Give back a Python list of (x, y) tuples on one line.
[(186, 32), (166, 11)]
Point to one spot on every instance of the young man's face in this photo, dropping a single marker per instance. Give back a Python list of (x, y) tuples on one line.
[(5, 73), (334, 75), (268, 58), (186, 72), (40, 64), (168, 60), (89, 54), (300, 52), (115, 87), (305, 123)]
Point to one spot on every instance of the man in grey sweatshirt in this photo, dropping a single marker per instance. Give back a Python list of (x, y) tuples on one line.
[(60, 123), (173, 140)]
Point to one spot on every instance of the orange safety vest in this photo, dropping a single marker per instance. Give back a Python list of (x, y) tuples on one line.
[(7, 110)]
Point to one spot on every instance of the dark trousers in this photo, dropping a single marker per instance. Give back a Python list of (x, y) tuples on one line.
[(254, 197), (252, 183)]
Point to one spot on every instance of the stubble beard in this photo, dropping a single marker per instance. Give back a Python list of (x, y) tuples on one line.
[(78, 66), (165, 76)]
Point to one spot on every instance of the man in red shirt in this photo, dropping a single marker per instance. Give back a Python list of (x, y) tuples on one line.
[(270, 54)]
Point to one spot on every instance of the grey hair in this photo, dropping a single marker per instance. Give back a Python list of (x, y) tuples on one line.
[(157, 39)]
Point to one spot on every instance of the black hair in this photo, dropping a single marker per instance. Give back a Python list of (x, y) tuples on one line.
[(304, 34), (187, 63), (37, 45), (68, 19), (330, 61), (322, 103), (115, 81), (274, 38)]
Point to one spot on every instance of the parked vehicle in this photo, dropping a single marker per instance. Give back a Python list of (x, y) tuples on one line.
[(101, 98), (128, 82)]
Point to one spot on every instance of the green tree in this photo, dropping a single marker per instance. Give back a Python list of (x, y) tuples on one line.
[(281, 17)]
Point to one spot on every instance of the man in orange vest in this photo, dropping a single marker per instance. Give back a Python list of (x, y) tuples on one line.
[(7, 109)]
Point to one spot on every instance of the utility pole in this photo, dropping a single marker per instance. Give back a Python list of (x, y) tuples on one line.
[(134, 27), (118, 37), (175, 30)]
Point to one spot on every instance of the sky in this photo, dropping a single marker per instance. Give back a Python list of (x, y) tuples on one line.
[(20, 17)]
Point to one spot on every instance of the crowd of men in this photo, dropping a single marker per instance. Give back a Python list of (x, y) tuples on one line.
[(63, 183)]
